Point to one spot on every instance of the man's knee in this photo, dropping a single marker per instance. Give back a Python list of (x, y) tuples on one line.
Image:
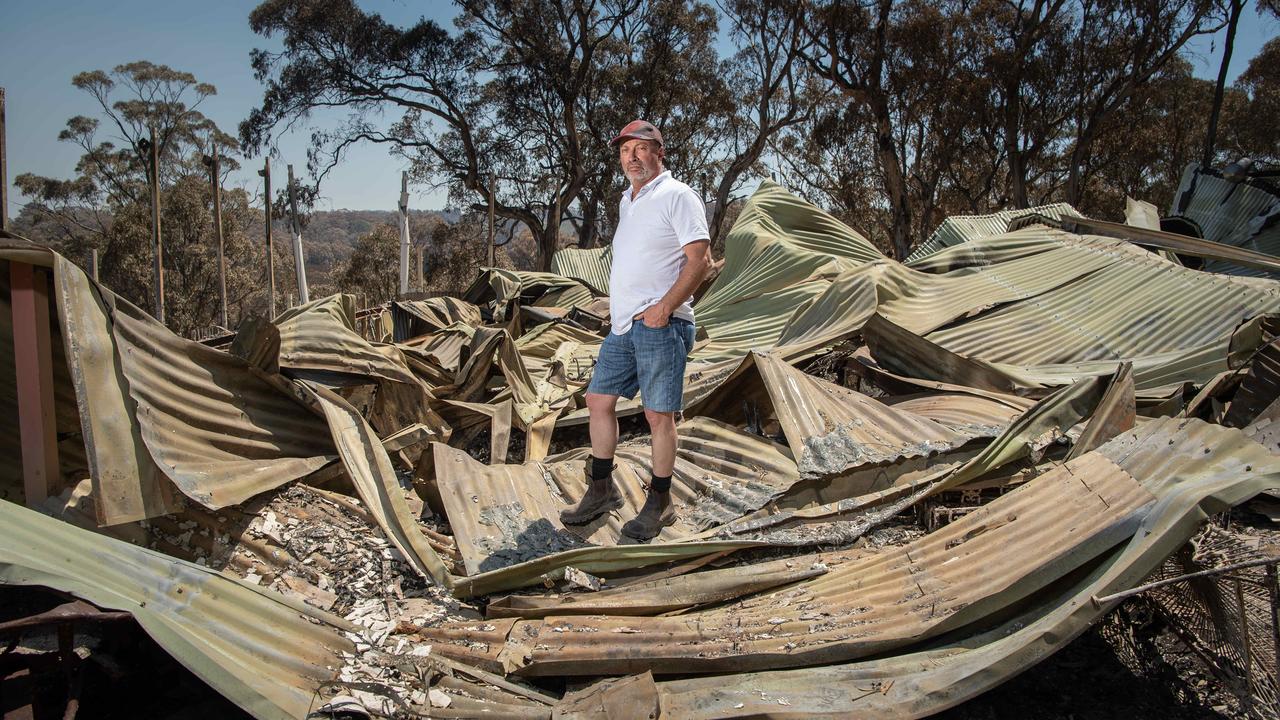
[(598, 403), (660, 420)]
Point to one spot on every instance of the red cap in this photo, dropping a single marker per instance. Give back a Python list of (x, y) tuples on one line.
[(639, 130)]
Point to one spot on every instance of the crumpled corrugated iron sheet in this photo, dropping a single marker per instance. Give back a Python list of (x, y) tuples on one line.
[(1189, 488), (1240, 214), (1017, 336), (907, 594), (829, 428), (505, 515), (318, 341), (263, 651), (219, 432), (591, 266), (411, 318), (967, 228), (501, 287)]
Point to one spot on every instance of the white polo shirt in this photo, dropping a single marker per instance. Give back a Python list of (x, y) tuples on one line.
[(648, 247)]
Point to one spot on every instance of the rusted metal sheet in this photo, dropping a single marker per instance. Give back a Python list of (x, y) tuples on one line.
[(1141, 306), (264, 652), (127, 484), (970, 415), (1259, 389), (501, 287), (664, 595), (829, 428), (219, 432), (319, 341), (920, 683), (505, 515), (942, 582), (412, 318)]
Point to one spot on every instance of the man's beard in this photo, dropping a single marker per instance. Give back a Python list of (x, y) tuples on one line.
[(640, 175)]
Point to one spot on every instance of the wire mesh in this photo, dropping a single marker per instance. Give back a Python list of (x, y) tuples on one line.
[(1227, 620)]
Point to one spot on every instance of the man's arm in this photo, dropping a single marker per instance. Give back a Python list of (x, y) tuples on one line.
[(697, 258)]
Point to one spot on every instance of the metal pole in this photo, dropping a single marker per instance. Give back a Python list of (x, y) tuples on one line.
[(270, 251), (404, 232), (299, 264), (4, 171), (421, 258), (156, 241), (492, 250), (217, 227)]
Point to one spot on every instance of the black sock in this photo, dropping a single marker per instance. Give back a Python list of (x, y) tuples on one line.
[(601, 469), (661, 484)]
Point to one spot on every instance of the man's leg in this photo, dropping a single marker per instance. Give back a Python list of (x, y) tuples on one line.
[(660, 359), (604, 425), (662, 441), (614, 375), (658, 511), (602, 495)]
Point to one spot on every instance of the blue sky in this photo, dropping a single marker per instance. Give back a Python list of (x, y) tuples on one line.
[(44, 43)]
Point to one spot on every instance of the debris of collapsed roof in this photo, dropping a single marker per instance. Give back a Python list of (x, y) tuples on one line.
[(914, 478)]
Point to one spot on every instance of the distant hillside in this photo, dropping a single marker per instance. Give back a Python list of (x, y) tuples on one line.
[(329, 237)]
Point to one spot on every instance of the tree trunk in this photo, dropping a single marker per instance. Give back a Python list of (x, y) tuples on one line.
[(546, 242), (895, 182), (1211, 137), (1013, 145), (717, 216), (589, 232)]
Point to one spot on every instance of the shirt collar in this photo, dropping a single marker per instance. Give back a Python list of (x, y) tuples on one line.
[(649, 186)]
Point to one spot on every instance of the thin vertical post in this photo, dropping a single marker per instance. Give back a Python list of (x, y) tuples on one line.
[(404, 232), (421, 253), (217, 228), (93, 264), (33, 366), (299, 263), (271, 253), (492, 248), (156, 241), (4, 171)]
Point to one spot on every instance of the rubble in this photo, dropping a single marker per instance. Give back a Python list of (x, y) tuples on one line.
[(909, 479)]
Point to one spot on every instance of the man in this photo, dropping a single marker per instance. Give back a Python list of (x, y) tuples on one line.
[(661, 252)]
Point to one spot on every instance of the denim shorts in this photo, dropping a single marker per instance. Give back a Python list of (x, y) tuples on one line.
[(647, 359)]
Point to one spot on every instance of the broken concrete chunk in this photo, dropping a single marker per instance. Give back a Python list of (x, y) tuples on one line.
[(439, 699)]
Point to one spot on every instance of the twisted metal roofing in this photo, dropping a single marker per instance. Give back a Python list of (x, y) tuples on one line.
[(960, 229)]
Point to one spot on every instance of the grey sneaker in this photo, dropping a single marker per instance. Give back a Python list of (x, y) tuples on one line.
[(657, 513), (601, 497)]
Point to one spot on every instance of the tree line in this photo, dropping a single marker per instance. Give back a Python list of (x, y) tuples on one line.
[(892, 115)]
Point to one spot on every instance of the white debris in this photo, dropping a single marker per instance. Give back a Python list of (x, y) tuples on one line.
[(580, 579), (271, 528), (439, 699)]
